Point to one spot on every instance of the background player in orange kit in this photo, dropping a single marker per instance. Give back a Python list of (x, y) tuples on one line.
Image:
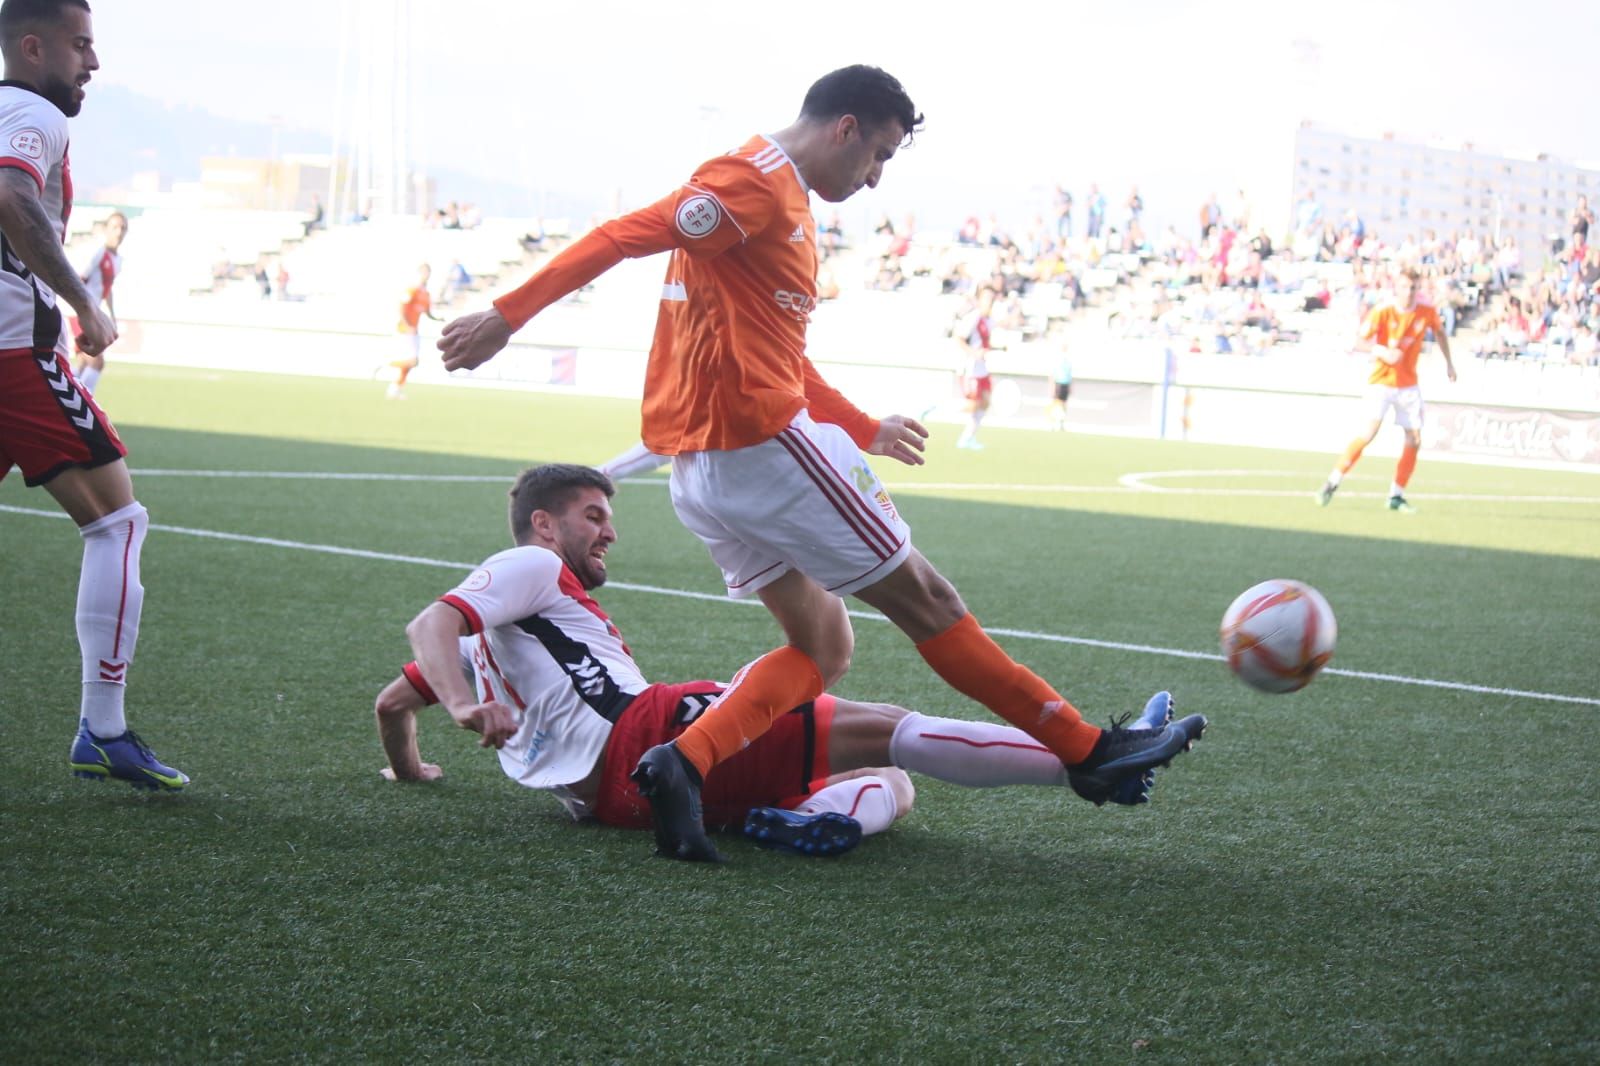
[(768, 467), (416, 304), (1394, 334), (49, 426)]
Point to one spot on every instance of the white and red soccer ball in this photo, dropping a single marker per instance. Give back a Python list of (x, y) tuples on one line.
[(1278, 635)]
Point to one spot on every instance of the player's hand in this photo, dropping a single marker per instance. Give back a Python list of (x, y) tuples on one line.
[(495, 722), (98, 332), (900, 438), (1450, 370), (426, 772), (472, 340)]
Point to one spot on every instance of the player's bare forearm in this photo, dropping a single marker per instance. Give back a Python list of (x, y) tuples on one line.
[(35, 241), (435, 637), (397, 729)]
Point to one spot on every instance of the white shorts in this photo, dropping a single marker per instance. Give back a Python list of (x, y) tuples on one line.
[(805, 500), (1407, 404)]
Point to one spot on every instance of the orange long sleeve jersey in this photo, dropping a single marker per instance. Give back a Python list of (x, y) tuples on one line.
[(728, 367)]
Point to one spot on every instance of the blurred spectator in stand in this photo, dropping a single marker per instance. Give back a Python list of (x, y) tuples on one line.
[(1579, 221), (316, 220), (1063, 205), (456, 279), (830, 236), (1210, 216), (263, 279), (1097, 213), (1308, 216)]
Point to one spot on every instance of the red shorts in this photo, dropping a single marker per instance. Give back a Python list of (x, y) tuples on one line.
[(977, 390), (779, 769), (47, 423)]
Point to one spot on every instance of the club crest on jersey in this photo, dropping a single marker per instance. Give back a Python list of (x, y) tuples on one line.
[(477, 581), (28, 143), (698, 216)]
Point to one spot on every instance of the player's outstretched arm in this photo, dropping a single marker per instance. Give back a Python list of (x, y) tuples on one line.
[(473, 340)]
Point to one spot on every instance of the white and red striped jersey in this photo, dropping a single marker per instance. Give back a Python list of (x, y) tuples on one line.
[(99, 271), (33, 139), (544, 648)]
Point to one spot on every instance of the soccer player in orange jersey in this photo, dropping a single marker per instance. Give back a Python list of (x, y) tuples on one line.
[(768, 464), (1394, 334), (416, 304)]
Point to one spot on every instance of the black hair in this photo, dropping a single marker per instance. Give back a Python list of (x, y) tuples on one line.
[(551, 487), (17, 14), (872, 95)]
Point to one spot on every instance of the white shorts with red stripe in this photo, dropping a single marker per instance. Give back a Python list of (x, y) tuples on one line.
[(805, 500)]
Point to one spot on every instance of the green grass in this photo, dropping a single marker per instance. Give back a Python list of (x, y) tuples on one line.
[(1367, 870)]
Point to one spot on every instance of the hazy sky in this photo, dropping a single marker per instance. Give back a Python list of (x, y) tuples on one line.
[(622, 100)]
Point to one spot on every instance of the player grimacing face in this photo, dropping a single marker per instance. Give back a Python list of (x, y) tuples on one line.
[(65, 59), (584, 534)]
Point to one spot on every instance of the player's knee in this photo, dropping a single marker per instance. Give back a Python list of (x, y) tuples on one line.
[(834, 654)]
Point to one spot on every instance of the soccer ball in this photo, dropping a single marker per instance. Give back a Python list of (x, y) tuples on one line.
[(1277, 635)]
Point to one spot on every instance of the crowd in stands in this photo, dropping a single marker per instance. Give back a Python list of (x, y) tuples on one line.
[(1229, 286)]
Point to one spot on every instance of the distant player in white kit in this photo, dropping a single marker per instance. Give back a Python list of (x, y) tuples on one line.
[(49, 426), (99, 274)]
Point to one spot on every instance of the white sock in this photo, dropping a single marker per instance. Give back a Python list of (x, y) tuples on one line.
[(636, 460), (1396, 489), (1336, 477), (110, 599), (89, 379), (975, 754), (869, 800)]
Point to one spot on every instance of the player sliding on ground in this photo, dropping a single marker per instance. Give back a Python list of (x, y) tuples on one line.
[(768, 467), (558, 692)]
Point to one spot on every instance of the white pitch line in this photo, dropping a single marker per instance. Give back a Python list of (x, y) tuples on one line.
[(1129, 484), (1024, 634)]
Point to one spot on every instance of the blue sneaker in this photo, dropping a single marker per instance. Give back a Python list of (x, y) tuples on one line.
[(126, 758), (827, 833), (1136, 790)]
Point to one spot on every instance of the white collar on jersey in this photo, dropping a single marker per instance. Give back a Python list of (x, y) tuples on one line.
[(801, 178)]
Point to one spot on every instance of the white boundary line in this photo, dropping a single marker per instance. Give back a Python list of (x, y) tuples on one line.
[(1024, 634), (1128, 484)]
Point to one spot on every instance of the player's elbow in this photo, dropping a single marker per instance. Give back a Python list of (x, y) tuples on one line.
[(397, 699)]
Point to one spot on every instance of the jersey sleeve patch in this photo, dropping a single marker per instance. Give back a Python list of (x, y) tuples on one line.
[(724, 203)]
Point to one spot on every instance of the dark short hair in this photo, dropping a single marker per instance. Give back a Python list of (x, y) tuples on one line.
[(551, 487), (18, 14), (872, 95)]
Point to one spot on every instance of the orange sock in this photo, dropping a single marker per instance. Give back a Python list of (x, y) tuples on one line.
[(1406, 466), (973, 664), (1351, 454), (405, 372), (773, 685)]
